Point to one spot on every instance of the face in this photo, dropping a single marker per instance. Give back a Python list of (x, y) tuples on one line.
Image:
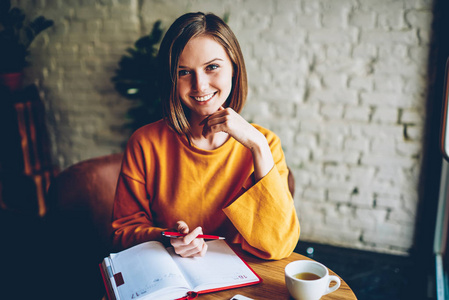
[(205, 76)]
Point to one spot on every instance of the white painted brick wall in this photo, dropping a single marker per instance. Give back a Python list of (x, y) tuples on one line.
[(343, 83)]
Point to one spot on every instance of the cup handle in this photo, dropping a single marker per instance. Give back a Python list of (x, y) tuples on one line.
[(335, 287)]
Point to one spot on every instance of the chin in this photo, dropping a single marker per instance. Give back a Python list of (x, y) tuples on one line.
[(205, 114), (207, 111)]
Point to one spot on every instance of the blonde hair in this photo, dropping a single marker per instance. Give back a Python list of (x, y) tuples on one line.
[(178, 35)]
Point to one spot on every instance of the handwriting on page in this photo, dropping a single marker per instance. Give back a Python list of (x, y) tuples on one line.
[(152, 269), (206, 269), (152, 285), (219, 265)]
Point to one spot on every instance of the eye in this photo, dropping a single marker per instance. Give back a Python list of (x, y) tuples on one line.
[(212, 67), (183, 73)]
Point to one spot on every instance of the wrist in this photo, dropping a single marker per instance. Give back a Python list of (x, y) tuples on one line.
[(262, 157), (259, 144)]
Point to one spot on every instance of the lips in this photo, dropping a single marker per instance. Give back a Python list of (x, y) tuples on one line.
[(203, 98)]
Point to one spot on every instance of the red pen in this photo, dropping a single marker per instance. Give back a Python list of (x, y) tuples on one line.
[(172, 234)]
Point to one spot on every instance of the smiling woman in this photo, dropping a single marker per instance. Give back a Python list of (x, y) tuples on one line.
[(179, 40), (204, 167)]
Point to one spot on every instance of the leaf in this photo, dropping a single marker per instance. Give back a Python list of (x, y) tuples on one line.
[(136, 79), (16, 36)]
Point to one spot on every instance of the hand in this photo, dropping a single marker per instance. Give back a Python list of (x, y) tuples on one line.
[(189, 245), (227, 120)]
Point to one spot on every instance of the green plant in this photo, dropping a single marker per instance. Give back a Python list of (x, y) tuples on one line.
[(136, 79), (16, 35)]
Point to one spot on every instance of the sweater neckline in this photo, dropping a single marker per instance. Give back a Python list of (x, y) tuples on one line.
[(225, 147)]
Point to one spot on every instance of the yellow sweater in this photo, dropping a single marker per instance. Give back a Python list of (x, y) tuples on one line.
[(164, 180)]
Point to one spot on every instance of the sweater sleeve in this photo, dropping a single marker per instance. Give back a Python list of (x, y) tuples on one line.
[(265, 214), (132, 219)]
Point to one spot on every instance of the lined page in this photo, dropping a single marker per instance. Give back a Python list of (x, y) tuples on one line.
[(152, 269), (220, 267)]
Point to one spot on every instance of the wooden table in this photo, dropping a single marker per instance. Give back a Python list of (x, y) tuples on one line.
[(273, 285)]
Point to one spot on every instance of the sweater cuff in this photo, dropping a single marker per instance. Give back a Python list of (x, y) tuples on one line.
[(265, 202)]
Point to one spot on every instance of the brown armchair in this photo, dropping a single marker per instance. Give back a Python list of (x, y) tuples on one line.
[(80, 209)]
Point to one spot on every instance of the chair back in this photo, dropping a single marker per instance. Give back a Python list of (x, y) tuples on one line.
[(85, 191), (80, 202)]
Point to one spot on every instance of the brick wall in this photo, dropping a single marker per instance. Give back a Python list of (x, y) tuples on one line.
[(342, 82)]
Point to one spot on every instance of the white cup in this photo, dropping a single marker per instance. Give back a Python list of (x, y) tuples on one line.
[(302, 289)]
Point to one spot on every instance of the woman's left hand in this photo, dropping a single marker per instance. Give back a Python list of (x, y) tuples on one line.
[(229, 121)]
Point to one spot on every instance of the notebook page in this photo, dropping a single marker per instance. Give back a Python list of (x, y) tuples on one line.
[(146, 268), (220, 267)]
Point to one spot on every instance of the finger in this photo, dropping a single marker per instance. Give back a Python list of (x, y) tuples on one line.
[(197, 252), (206, 130), (186, 240), (204, 121), (182, 227), (217, 120), (192, 235), (219, 113), (196, 248), (188, 248), (225, 116), (214, 129), (203, 251)]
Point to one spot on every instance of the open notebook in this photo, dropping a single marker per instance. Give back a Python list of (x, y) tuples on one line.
[(151, 271)]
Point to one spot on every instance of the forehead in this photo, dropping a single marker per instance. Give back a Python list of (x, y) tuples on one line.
[(202, 49)]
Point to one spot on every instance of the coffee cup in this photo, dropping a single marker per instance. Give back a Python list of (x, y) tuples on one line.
[(309, 280)]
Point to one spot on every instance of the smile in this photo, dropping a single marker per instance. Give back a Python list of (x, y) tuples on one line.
[(204, 98)]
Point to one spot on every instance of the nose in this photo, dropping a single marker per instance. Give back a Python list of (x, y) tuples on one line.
[(200, 82)]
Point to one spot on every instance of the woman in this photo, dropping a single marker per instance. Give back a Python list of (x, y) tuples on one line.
[(203, 168)]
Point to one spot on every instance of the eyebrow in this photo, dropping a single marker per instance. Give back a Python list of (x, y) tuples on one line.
[(206, 63)]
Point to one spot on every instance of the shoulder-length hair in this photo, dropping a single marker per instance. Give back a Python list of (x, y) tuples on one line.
[(178, 35)]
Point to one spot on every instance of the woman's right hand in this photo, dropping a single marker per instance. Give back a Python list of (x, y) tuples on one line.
[(189, 245)]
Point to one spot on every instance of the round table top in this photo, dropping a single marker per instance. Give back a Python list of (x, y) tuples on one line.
[(273, 285)]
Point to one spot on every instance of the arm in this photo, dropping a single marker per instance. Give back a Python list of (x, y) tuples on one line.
[(264, 214), (227, 120), (133, 223), (132, 220), (132, 217), (265, 217)]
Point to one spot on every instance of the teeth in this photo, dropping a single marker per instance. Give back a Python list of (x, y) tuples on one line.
[(203, 98)]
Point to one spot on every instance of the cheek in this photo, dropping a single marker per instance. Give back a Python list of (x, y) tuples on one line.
[(225, 82), (183, 87)]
